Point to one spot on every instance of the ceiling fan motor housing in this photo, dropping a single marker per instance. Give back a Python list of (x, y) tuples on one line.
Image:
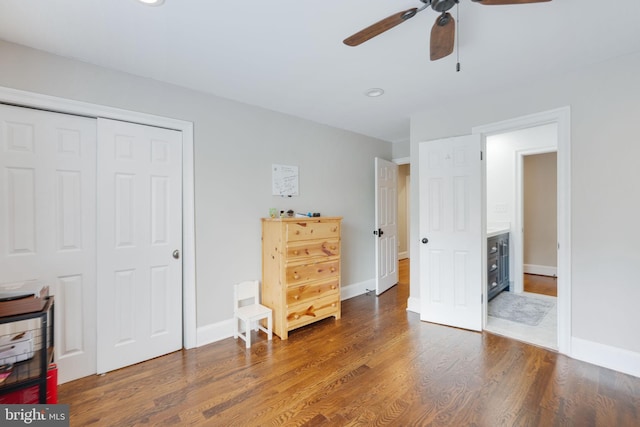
[(443, 5)]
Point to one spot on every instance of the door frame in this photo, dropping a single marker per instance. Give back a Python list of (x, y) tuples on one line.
[(27, 99), (561, 117), (406, 161), (518, 244)]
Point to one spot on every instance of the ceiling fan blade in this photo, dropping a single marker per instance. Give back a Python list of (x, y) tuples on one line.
[(443, 34), (380, 27), (501, 2)]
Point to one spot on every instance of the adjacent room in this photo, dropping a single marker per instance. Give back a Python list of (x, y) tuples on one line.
[(431, 207)]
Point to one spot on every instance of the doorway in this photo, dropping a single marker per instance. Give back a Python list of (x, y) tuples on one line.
[(558, 123), (521, 198)]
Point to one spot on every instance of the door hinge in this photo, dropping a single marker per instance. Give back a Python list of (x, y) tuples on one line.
[(480, 155)]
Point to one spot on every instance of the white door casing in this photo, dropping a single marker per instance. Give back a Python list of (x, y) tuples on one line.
[(386, 224), (139, 228), (451, 276), (47, 222)]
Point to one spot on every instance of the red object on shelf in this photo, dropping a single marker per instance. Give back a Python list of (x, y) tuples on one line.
[(30, 395)]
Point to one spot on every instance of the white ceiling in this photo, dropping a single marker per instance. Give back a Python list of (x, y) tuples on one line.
[(288, 55)]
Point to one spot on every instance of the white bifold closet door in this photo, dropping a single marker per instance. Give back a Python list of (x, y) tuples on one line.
[(94, 209), (47, 222), (139, 243)]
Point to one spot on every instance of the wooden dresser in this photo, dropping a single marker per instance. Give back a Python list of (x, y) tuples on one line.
[(300, 270)]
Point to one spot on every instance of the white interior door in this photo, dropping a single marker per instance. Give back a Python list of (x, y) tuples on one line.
[(451, 274), (47, 222), (386, 224), (139, 232)]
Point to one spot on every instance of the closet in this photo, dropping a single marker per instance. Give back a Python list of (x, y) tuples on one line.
[(93, 207)]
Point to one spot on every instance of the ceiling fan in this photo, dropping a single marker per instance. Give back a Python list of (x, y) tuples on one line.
[(442, 32)]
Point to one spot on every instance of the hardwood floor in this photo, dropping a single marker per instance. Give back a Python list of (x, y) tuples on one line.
[(378, 365), (545, 285)]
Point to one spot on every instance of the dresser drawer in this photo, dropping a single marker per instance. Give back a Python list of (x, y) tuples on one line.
[(312, 229), (313, 248), (302, 273), (302, 314), (303, 293)]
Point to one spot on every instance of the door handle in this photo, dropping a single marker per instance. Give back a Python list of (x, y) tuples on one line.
[(425, 240), (378, 232), (176, 254)]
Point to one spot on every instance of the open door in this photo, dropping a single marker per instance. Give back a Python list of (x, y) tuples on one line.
[(386, 224), (451, 274)]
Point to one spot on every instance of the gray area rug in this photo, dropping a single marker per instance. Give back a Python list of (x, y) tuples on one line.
[(519, 308)]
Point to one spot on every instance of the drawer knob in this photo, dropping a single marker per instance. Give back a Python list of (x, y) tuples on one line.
[(494, 284), (297, 316), (295, 276), (296, 252), (333, 287), (333, 269), (494, 266), (333, 304), (296, 297)]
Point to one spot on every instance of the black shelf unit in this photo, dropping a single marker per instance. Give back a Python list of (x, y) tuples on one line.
[(33, 372)]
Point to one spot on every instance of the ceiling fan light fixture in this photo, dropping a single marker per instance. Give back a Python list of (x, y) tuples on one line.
[(152, 2), (374, 92)]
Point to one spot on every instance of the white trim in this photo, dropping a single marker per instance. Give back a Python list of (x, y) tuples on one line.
[(615, 358), (356, 289), (561, 116), (61, 105), (402, 161), (215, 332), (403, 255), (541, 270)]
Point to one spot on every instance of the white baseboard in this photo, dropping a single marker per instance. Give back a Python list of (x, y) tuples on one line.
[(356, 289), (403, 255), (606, 356), (542, 270), (214, 332)]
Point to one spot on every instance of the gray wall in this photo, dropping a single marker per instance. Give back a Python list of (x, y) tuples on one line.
[(235, 146), (605, 262)]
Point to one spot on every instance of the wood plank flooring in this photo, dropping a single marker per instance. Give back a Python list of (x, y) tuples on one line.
[(545, 285), (378, 365)]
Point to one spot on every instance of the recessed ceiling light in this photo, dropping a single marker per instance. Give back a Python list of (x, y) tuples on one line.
[(152, 2), (374, 92)]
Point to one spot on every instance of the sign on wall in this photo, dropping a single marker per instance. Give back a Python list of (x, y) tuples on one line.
[(284, 180)]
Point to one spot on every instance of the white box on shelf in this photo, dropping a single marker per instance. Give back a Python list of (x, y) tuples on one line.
[(16, 347)]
